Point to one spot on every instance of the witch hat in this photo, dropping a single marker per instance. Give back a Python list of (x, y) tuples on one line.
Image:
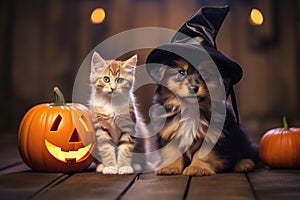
[(195, 38)]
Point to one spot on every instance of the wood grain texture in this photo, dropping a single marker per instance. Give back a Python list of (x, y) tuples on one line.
[(150, 186), (276, 184), (220, 186), (17, 181), (89, 185), (25, 185)]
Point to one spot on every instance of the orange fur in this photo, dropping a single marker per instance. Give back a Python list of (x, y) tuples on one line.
[(113, 109)]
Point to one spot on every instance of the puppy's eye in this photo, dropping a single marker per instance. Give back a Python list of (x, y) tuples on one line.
[(120, 80), (181, 72), (106, 79)]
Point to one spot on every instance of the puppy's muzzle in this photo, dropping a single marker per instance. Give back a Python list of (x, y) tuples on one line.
[(193, 89)]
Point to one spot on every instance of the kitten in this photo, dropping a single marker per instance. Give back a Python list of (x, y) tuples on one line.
[(114, 112)]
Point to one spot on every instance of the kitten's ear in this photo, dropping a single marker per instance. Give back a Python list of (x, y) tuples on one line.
[(97, 61), (131, 62)]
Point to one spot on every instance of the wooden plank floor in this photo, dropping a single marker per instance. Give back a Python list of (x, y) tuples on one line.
[(17, 181)]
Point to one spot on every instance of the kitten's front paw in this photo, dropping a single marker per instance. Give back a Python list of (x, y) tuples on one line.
[(110, 170), (198, 171), (125, 170), (100, 168)]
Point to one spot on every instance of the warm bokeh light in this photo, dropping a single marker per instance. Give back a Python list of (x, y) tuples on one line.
[(256, 17), (98, 16)]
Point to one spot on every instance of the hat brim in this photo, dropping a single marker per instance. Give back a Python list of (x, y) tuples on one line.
[(194, 54)]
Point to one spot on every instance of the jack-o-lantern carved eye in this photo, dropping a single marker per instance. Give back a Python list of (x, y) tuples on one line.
[(56, 123)]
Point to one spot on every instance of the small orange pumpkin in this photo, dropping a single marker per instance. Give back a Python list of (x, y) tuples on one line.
[(280, 147), (57, 137)]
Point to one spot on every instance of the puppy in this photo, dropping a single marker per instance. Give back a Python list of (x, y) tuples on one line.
[(184, 93)]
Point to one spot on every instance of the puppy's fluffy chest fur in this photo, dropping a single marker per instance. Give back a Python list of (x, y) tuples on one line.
[(184, 121), (188, 130)]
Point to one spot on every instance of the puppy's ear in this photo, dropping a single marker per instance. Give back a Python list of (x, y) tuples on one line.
[(157, 73)]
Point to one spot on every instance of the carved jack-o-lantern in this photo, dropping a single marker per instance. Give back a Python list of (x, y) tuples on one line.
[(57, 137)]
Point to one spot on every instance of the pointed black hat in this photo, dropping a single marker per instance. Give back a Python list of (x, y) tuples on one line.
[(196, 37)]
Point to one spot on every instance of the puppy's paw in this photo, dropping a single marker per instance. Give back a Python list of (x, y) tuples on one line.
[(170, 170), (244, 165), (125, 170), (110, 170), (198, 171)]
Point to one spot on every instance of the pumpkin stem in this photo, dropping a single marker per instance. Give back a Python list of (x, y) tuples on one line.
[(285, 124), (59, 97)]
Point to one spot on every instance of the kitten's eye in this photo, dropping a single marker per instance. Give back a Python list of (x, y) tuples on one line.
[(120, 80), (181, 72), (106, 79)]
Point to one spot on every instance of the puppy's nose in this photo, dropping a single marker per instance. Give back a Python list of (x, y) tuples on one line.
[(194, 89)]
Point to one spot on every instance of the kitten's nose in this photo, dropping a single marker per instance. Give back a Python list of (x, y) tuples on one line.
[(112, 89)]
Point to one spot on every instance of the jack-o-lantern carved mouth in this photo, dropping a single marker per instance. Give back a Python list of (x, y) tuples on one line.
[(66, 156)]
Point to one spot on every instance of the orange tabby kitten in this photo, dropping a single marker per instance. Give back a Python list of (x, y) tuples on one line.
[(114, 113)]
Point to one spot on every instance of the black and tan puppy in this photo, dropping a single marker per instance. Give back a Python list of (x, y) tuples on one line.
[(184, 93), (200, 133)]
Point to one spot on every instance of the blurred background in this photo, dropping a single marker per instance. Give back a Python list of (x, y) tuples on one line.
[(43, 43)]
